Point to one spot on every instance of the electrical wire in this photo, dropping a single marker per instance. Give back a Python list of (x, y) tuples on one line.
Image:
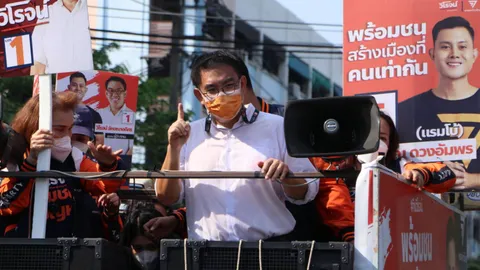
[(212, 47), (200, 38), (161, 11), (220, 24), (156, 50)]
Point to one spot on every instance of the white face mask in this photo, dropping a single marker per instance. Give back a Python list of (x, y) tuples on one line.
[(62, 148), (83, 147), (382, 151), (147, 257)]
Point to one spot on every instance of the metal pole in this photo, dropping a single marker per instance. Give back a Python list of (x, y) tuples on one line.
[(175, 174), (40, 208)]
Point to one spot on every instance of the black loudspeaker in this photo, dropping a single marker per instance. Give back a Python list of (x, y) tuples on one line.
[(333, 126)]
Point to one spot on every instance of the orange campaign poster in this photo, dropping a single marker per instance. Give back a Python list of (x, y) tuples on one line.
[(111, 102), (419, 58), (44, 37)]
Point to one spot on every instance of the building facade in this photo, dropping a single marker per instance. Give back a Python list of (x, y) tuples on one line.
[(279, 71)]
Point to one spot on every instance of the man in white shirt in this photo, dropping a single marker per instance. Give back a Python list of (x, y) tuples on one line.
[(117, 114), (235, 137), (63, 44)]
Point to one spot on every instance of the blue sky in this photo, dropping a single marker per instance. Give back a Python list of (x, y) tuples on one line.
[(319, 11)]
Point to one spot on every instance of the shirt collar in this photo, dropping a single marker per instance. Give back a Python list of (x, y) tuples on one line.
[(121, 110), (77, 5), (249, 110)]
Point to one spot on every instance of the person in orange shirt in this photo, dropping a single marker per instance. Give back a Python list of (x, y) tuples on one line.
[(333, 198), (72, 209)]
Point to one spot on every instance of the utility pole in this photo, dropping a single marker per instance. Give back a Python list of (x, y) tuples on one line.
[(176, 63)]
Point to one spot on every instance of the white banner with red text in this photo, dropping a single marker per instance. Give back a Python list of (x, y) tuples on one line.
[(399, 227)]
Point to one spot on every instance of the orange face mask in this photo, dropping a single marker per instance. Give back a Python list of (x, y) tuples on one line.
[(225, 107)]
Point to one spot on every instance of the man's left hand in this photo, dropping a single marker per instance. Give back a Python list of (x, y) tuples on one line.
[(104, 154), (274, 169)]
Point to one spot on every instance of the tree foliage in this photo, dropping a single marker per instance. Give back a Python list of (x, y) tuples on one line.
[(150, 133)]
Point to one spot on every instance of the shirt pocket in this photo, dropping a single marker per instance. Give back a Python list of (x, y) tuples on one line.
[(248, 156)]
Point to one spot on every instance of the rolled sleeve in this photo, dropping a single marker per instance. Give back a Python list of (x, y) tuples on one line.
[(297, 165), (181, 196)]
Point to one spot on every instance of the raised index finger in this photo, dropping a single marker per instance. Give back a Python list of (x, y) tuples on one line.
[(181, 114)]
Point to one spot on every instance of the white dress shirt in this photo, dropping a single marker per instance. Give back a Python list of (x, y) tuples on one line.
[(64, 43), (118, 120), (234, 209)]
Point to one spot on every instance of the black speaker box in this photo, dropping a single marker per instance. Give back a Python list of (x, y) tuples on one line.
[(214, 255), (64, 254), (333, 126)]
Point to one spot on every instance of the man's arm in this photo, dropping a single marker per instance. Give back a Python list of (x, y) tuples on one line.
[(168, 189), (438, 177), (295, 188)]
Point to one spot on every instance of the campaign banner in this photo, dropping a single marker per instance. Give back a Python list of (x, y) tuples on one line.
[(44, 37), (411, 230), (111, 99), (419, 59)]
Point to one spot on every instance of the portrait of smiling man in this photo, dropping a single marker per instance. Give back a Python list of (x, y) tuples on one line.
[(117, 113), (450, 110)]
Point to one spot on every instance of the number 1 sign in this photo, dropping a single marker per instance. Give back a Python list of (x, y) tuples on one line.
[(43, 37), (18, 51)]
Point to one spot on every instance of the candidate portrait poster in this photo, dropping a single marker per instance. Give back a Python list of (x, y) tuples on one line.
[(112, 99), (44, 37), (420, 59)]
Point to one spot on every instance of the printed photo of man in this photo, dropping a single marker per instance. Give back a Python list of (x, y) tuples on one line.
[(63, 44), (450, 110), (117, 113), (78, 85)]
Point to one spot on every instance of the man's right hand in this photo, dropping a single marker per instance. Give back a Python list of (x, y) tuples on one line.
[(179, 131)]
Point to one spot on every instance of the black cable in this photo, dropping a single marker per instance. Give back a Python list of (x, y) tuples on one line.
[(211, 47), (200, 38), (223, 24), (162, 12)]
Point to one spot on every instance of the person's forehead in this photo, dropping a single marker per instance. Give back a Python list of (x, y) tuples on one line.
[(115, 84), (384, 127), (78, 80), (62, 118), (217, 74), (141, 240), (457, 34)]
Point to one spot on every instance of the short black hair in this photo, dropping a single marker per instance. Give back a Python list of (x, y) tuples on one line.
[(78, 75), (210, 59), (116, 79), (450, 23), (140, 213), (394, 139)]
